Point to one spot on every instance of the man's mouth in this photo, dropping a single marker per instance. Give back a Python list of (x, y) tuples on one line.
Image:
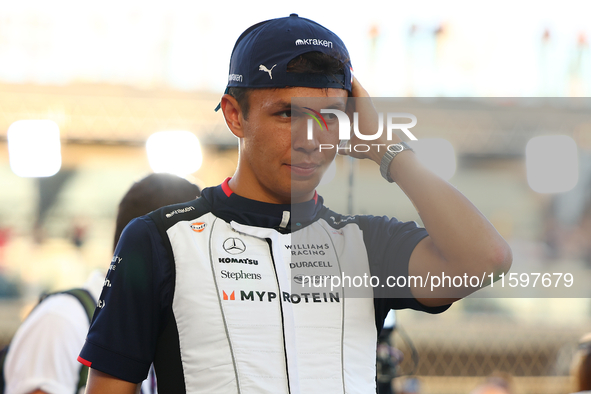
[(303, 169)]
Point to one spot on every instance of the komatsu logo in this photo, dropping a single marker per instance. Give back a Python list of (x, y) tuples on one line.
[(313, 41), (229, 260)]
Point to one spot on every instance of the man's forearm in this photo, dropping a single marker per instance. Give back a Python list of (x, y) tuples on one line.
[(101, 383), (462, 235), (461, 240)]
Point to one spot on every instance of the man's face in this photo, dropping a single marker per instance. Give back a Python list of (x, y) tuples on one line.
[(282, 164)]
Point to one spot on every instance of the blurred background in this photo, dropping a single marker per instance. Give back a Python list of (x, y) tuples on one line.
[(114, 88)]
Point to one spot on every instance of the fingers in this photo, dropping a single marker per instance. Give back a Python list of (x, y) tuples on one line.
[(344, 147), (365, 126), (357, 90)]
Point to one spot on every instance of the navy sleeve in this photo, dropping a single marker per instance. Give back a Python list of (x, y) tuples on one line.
[(131, 311), (389, 246)]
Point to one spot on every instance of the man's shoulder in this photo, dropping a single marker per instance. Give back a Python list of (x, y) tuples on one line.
[(58, 306)]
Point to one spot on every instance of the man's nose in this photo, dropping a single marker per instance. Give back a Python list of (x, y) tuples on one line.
[(306, 137)]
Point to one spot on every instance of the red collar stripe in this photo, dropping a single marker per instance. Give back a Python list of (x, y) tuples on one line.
[(226, 187), (228, 192)]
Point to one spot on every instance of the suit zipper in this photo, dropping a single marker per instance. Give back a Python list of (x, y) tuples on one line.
[(281, 308)]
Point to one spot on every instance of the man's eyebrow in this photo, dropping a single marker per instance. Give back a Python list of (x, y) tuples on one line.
[(340, 105), (337, 105), (281, 105)]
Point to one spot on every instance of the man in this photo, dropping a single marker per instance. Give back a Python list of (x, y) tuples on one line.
[(211, 291), (42, 354)]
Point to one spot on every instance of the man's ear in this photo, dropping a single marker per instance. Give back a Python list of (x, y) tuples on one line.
[(233, 115)]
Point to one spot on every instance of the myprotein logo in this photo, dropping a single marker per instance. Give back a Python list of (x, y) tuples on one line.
[(270, 296), (313, 41), (231, 297), (345, 127)]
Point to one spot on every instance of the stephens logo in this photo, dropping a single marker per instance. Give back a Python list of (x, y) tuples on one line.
[(240, 275), (198, 226), (234, 246)]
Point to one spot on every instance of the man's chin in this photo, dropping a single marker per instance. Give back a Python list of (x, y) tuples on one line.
[(303, 189)]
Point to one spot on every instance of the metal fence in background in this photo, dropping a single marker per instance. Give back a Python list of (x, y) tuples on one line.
[(453, 356)]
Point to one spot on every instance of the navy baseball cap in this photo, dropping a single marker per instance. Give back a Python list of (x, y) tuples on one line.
[(261, 54)]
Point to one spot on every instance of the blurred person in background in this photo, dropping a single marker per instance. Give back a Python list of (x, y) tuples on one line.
[(388, 357), (410, 385), (42, 354), (581, 367), (208, 291), (496, 383)]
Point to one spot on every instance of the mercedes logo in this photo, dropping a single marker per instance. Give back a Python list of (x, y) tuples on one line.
[(234, 246)]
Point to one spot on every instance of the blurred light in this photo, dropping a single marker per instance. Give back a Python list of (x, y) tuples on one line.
[(552, 163), (437, 154), (176, 152), (329, 174), (34, 148)]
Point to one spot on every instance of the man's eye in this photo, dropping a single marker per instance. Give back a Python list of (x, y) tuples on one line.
[(329, 116), (285, 114)]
